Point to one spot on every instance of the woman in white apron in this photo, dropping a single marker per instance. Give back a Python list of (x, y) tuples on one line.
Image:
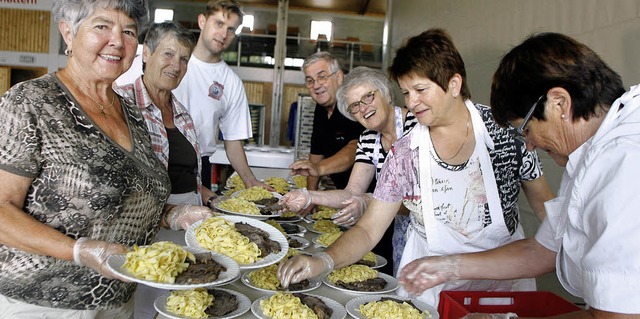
[(365, 96), (458, 173)]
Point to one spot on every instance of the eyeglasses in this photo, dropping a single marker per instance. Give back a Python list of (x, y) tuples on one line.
[(321, 79), (520, 129), (366, 99)]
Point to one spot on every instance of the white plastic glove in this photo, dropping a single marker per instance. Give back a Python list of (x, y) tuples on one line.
[(94, 254), (352, 211), (182, 216), (296, 200), (427, 272), (302, 267)]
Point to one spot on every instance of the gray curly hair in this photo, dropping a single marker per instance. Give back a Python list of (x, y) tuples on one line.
[(361, 76), (75, 12)]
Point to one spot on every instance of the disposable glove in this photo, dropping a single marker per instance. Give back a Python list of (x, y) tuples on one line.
[(302, 267), (182, 216), (296, 200), (353, 209), (94, 253), (427, 272)]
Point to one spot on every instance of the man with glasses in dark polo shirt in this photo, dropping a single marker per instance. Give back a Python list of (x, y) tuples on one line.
[(334, 138)]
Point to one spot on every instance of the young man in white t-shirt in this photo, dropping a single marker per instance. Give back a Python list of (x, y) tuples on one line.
[(214, 94)]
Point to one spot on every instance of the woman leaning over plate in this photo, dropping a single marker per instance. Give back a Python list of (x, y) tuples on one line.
[(566, 100), (81, 181)]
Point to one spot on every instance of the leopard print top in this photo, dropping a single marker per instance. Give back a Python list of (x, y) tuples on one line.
[(84, 185)]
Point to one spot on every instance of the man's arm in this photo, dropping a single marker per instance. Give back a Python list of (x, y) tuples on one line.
[(341, 161), (238, 160), (537, 192)]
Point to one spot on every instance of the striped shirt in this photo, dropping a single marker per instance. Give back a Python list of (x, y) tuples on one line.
[(367, 144)]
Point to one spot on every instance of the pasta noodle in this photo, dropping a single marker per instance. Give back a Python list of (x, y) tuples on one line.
[(326, 213), (220, 235), (278, 183), (239, 206), (265, 278), (286, 306), (254, 193), (371, 257), (190, 303), (353, 273), (327, 239), (300, 181), (390, 309), (160, 262), (326, 226), (235, 182), (292, 252)]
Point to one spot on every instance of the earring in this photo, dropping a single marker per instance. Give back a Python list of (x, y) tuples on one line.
[(68, 52), (562, 116)]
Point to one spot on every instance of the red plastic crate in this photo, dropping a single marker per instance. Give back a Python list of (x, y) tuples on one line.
[(456, 304)]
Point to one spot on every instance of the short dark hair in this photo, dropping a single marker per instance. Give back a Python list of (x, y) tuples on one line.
[(548, 60), (157, 31), (433, 55), (226, 6)]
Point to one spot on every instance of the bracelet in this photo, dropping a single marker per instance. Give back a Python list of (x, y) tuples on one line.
[(210, 200), (76, 250)]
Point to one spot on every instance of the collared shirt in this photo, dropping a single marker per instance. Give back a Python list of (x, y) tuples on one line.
[(157, 131), (593, 223)]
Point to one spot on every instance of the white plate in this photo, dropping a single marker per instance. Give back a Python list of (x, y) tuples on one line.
[(392, 284), (259, 216), (305, 243), (274, 234), (300, 232), (338, 310), (353, 305), (380, 262), (313, 284), (293, 219), (244, 304), (311, 229), (115, 263)]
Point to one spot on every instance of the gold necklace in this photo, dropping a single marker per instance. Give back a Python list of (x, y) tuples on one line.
[(102, 107), (461, 146)]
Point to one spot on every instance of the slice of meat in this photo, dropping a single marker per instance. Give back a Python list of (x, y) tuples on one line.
[(290, 228), (317, 305), (260, 238), (223, 303), (298, 286), (293, 243), (373, 284), (203, 270)]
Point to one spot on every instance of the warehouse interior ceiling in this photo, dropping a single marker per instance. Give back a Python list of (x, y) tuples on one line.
[(356, 7)]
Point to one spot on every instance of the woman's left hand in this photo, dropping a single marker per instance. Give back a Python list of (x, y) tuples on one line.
[(352, 211), (182, 216)]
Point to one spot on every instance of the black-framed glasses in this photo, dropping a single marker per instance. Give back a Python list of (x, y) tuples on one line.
[(520, 129), (366, 99), (321, 79)]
